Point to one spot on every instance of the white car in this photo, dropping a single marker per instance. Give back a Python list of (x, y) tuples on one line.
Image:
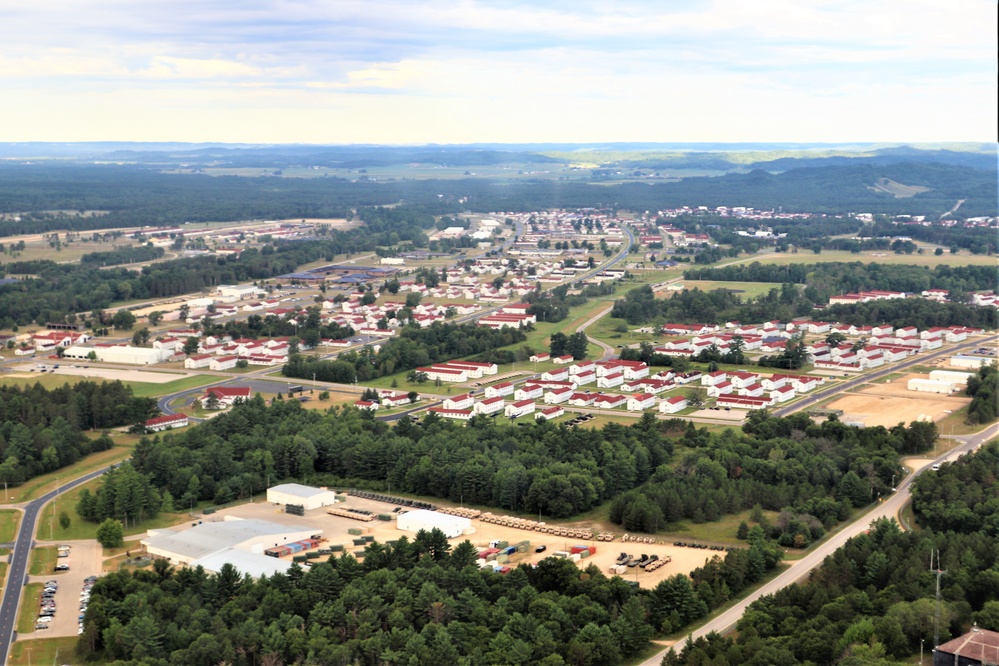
[(45, 618)]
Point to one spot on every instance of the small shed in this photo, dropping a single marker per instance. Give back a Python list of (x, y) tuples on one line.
[(422, 519)]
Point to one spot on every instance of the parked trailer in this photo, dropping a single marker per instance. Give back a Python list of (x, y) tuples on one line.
[(354, 514)]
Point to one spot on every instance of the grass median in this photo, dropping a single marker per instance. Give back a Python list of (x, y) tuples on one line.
[(9, 520), (27, 616)]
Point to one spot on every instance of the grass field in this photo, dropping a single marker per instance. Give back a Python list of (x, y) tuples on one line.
[(44, 651), (28, 612), (42, 560), (43, 484), (743, 289), (925, 259), (9, 520)]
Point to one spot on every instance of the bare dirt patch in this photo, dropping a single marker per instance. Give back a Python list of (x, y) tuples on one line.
[(123, 375), (892, 403)]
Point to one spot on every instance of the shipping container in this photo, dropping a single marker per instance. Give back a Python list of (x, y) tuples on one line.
[(355, 531), (337, 548), (384, 516), (299, 558), (360, 542)]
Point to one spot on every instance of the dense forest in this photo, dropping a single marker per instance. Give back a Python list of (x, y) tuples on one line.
[(813, 474), (830, 279), (41, 429), (413, 348), (540, 467), (983, 388), (413, 602), (872, 601)]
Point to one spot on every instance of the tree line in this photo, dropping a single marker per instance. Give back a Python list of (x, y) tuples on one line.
[(42, 429), (983, 387), (872, 601), (414, 347), (824, 280), (123, 255)]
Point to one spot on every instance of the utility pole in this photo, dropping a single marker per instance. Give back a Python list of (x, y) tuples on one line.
[(939, 573)]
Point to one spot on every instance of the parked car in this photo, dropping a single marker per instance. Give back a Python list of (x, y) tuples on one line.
[(62, 567)]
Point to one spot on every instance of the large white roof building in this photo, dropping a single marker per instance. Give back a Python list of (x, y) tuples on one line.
[(422, 519), (239, 542)]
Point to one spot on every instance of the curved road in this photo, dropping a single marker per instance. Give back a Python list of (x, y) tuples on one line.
[(17, 572), (800, 568)]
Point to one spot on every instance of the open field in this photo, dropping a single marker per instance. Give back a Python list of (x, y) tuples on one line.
[(890, 404), (883, 257), (742, 289), (44, 651), (9, 520)]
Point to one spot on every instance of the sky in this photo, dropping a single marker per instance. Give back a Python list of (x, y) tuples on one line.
[(465, 71)]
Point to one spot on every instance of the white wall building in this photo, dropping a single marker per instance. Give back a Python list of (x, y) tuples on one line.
[(422, 519), (126, 355), (295, 493)]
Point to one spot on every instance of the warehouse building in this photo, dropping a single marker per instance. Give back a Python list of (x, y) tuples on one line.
[(234, 541), (306, 496), (119, 354), (931, 386), (422, 519)]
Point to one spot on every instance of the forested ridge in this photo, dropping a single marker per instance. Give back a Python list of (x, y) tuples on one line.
[(136, 195), (872, 601), (41, 429)]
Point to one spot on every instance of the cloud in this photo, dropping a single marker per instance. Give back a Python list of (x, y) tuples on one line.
[(509, 68)]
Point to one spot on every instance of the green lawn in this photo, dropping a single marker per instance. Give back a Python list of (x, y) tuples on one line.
[(44, 651), (30, 604), (9, 520), (42, 560)]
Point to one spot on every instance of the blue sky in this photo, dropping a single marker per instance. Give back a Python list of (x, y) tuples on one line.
[(374, 71)]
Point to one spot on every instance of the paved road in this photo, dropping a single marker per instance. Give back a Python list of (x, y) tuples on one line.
[(17, 571), (800, 568)]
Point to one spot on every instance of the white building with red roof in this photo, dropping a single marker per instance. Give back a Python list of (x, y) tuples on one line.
[(673, 404), (639, 402), (166, 422), (549, 413), (519, 408), (227, 395), (490, 405)]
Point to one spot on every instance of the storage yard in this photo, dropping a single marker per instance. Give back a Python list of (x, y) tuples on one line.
[(352, 523)]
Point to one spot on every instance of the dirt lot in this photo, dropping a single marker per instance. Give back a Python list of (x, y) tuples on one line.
[(124, 375), (335, 529), (890, 404)]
